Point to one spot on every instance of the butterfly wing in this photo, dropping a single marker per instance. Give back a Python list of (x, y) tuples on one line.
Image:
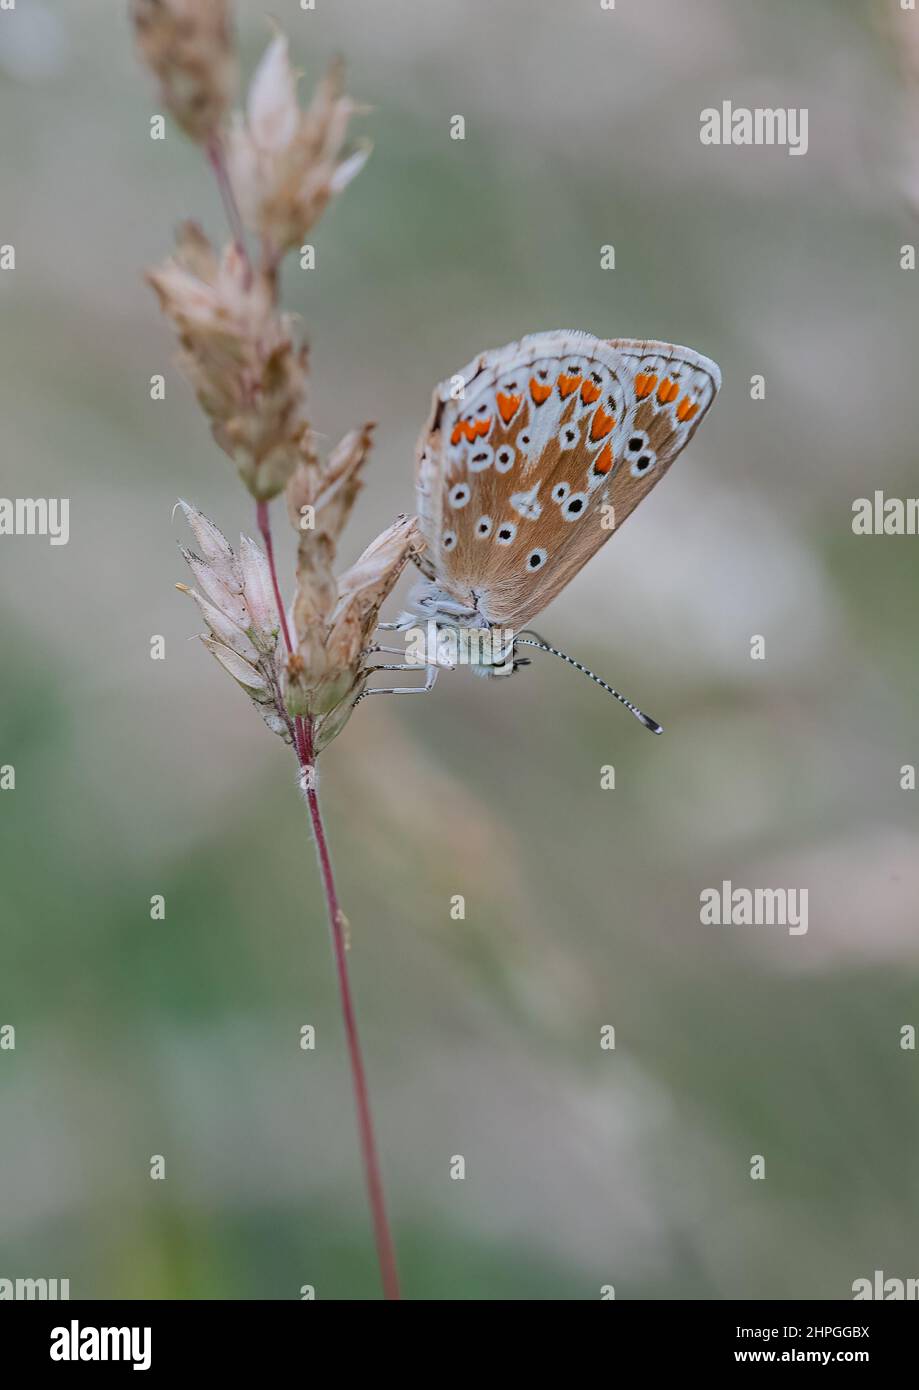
[(534, 454)]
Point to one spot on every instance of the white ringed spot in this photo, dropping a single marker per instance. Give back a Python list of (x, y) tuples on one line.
[(643, 464), (574, 506)]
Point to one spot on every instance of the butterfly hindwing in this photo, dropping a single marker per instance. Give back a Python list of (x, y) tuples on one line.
[(537, 452)]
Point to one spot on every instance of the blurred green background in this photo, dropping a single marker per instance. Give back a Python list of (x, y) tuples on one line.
[(135, 777)]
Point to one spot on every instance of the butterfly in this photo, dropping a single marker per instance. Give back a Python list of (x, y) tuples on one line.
[(532, 457)]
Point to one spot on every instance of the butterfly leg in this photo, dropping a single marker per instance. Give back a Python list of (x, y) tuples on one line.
[(430, 678), (388, 651)]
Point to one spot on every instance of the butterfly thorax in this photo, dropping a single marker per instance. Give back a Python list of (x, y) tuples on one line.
[(446, 632)]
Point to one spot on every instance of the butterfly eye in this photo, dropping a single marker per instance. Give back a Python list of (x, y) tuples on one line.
[(506, 532), (536, 559), (459, 495), (449, 540), (560, 492), (483, 526), (504, 459), (574, 506)]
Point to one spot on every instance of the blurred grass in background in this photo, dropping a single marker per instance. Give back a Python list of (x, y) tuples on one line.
[(136, 777)]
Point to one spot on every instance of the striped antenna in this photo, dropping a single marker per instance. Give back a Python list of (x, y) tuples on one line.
[(534, 640)]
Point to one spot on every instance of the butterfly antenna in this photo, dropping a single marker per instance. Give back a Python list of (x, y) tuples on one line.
[(534, 640)]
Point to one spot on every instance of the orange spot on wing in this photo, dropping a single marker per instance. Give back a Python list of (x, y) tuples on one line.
[(466, 429), (686, 409), (482, 427), (508, 406), (538, 392), (589, 392), (601, 424), (567, 384), (667, 391), (645, 383), (604, 460)]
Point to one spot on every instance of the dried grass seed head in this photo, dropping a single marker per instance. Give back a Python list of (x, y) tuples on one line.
[(189, 45), (287, 163), (240, 355)]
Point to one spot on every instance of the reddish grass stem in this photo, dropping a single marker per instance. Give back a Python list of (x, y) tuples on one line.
[(303, 743), (373, 1176)]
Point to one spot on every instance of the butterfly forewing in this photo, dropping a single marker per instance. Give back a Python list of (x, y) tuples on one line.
[(537, 452)]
